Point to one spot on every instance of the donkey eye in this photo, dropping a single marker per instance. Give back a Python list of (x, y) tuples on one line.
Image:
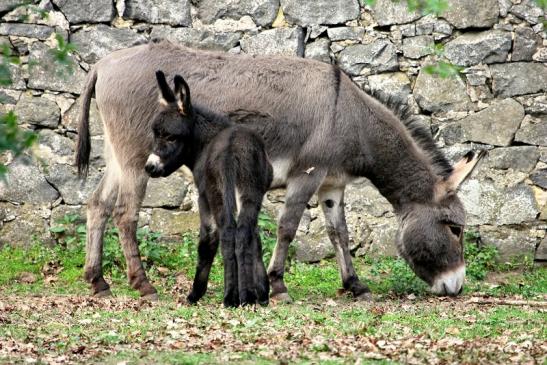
[(456, 230), (171, 138)]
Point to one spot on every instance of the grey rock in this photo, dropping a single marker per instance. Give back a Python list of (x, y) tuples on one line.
[(7, 5), (173, 12), (26, 183), (474, 48), (279, 41), (430, 24), (73, 189), (319, 50), (514, 245), (540, 55), (504, 6), (86, 11), (41, 32), (71, 119), (47, 74), (419, 46), (518, 78), (313, 249), (504, 117), (533, 133), (525, 44), (387, 12), (393, 84), (408, 30), (519, 158), (16, 77), (477, 75), (362, 198), (9, 97), (198, 38), (437, 94), (27, 222), (99, 40), (166, 192), (472, 14), (493, 201), (317, 30), (378, 56), (320, 12), (527, 10), (52, 147), (539, 178), (173, 223), (263, 12), (541, 252), (38, 111), (344, 33)]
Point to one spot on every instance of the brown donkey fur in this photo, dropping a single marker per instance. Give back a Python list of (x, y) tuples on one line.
[(310, 115)]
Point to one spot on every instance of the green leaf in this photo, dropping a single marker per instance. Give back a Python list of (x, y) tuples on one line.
[(57, 229)]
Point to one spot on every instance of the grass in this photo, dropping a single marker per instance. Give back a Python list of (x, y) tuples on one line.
[(47, 317)]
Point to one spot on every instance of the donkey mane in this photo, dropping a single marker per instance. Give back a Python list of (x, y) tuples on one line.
[(420, 134)]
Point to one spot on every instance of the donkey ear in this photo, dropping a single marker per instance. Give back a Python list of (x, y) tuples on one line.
[(166, 94), (182, 92), (462, 170)]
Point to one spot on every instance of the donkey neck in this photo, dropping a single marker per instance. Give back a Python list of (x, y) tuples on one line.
[(400, 169)]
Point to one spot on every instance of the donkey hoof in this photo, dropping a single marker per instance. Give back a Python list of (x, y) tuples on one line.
[(365, 297), (103, 294), (283, 298), (153, 297)]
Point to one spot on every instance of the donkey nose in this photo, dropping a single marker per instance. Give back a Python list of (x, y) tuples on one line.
[(450, 282), (153, 165)]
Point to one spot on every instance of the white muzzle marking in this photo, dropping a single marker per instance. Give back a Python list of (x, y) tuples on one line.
[(154, 160), (450, 282)]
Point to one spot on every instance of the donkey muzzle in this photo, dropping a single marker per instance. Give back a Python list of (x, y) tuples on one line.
[(450, 282), (154, 166)]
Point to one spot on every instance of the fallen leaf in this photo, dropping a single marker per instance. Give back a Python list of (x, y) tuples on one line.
[(27, 278)]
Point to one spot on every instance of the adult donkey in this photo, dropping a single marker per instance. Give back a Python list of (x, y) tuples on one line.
[(320, 130)]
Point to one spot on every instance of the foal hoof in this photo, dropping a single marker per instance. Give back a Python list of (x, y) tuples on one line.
[(365, 297), (153, 297), (283, 298), (103, 294)]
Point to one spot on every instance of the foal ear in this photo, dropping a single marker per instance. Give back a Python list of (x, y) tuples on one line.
[(462, 170), (167, 95), (182, 92)]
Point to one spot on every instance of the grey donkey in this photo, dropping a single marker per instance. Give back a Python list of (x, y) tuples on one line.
[(320, 130), (232, 173)]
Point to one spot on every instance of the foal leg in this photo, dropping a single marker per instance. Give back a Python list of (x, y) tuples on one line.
[(126, 214), (207, 249), (99, 208), (332, 204), (300, 189), (246, 246)]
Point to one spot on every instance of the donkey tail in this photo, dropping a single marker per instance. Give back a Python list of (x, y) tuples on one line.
[(83, 148), (230, 202)]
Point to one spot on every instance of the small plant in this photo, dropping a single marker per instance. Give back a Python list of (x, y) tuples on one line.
[(61, 55), (268, 235), (479, 259), (436, 7)]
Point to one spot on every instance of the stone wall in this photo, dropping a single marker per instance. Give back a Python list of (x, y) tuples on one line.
[(498, 103)]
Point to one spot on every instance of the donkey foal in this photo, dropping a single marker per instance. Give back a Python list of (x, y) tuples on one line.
[(232, 174)]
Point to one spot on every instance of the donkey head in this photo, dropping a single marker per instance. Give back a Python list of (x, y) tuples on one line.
[(430, 236), (172, 127)]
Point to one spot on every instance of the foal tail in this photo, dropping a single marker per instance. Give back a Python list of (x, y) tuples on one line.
[(83, 148), (230, 203)]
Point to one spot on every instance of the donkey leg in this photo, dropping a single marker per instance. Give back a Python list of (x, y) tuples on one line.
[(300, 189), (227, 242), (262, 282), (245, 247), (207, 249), (99, 208), (332, 204), (126, 215)]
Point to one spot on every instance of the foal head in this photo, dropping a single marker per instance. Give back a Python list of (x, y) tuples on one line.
[(430, 236), (172, 127)]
